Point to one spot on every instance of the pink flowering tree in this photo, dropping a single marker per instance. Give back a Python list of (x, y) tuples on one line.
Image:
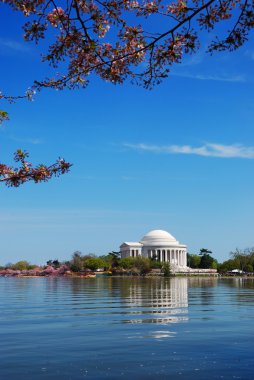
[(120, 39), (126, 39), (25, 171)]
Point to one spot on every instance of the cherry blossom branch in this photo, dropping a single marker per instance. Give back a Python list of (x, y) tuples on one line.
[(70, 78), (84, 24), (14, 177)]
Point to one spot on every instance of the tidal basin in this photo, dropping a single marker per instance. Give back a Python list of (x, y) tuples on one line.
[(133, 328)]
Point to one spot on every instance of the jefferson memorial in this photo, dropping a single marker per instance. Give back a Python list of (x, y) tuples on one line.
[(159, 245)]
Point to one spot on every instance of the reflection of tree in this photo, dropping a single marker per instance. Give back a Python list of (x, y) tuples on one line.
[(245, 283), (157, 300), (210, 291), (244, 295), (202, 282), (204, 292)]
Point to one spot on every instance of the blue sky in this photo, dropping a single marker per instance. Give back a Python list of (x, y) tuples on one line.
[(179, 157)]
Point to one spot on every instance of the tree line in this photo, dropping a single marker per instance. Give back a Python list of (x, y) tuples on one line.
[(113, 262), (110, 262), (243, 260)]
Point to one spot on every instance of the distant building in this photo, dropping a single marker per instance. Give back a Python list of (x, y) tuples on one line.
[(158, 245)]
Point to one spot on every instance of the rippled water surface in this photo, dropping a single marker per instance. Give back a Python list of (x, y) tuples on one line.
[(55, 328)]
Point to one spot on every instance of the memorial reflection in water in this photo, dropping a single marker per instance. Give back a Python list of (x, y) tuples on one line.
[(160, 301)]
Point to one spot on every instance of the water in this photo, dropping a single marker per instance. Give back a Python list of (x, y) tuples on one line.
[(132, 328)]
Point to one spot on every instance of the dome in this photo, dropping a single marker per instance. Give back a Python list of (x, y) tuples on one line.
[(158, 237)]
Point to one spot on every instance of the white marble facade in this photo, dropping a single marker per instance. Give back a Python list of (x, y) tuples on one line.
[(159, 245)]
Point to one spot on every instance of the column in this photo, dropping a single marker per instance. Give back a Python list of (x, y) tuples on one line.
[(159, 255)]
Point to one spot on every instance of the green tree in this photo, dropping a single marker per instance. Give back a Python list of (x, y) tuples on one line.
[(76, 264), (154, 264), (214, 264), (206, 261), (141, 265), (229, 265), (127, 263), (166, 269), (113, 259), (244, 257), (21, 265), (193, 260), (204, 251), (54, 263), (248, 268), (94, 263)]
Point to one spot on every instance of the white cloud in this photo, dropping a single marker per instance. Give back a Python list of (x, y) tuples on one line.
[(207, 150), (13, 45), (249, 54), (28, 140), (221, 78), (193, 60)]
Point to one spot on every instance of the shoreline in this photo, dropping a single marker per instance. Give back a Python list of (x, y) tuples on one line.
[(125, 276)]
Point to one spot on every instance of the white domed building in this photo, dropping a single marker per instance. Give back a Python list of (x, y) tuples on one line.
[(159, 245)]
